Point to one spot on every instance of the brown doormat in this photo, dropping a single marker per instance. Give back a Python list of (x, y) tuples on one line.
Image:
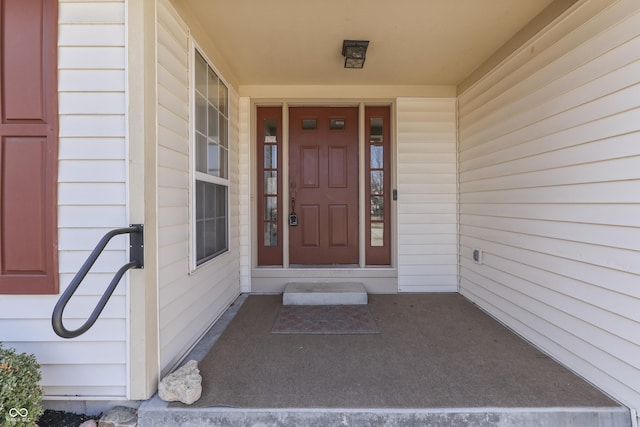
[(324, 319)]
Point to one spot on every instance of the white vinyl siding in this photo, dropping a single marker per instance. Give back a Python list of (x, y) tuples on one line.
[(188, 302), (244, 197), (427, 195), (549, 190), (91, 201)]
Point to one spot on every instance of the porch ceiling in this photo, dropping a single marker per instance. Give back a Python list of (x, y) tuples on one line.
[(412, 42)]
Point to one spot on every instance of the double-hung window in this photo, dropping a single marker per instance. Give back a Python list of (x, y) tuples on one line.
[(211, 171)]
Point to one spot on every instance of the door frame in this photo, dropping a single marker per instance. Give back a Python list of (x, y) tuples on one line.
[(377, 275)]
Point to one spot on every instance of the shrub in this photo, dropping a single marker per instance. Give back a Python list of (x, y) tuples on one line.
[(20, 394)]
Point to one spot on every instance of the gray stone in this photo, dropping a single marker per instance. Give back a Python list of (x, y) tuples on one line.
[(120, 416), (184, 385), (89, 423), (324, 294)]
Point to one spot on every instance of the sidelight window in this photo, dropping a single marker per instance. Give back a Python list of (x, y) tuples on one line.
[(269, 134), (378, 186)]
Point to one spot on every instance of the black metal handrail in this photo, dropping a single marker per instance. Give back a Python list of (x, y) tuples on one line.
[(136, 258)]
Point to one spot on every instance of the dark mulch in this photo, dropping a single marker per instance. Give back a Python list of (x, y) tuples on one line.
[(52, 418)]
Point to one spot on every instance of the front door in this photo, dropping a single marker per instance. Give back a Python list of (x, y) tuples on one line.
[(323, 185)]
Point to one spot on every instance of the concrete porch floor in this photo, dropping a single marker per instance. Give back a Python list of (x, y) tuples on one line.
[(438, 360)]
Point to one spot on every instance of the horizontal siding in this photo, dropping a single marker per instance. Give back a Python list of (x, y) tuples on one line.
[(65, 352), (90, 12), (427, 189), (91, 35), (92, 200), (189, 302), (244, 194), (85, 57), (98, 80), (549, 175)]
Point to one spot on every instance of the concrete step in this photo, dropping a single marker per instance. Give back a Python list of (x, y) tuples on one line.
[(324, 294), (155, 413)]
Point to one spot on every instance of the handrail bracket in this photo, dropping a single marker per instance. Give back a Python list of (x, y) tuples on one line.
[(136, 246)]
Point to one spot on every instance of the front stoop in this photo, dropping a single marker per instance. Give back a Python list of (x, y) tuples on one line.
[(324, 294), (155, 413)]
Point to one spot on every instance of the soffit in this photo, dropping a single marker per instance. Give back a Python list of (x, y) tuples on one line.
[(412, 42)]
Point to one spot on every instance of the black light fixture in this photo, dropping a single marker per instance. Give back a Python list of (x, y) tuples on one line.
[(354, 52)]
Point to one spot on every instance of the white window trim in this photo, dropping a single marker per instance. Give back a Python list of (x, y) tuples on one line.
[(201, 176)]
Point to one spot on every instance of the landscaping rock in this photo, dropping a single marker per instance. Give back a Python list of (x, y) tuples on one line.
[(120, 416), (184, 385)]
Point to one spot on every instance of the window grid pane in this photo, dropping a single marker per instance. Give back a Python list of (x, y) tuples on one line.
[(376, 130), (377, 182), (377, 208), (377, 157), (223, 135), (309, 124), (270, 156), (270, 208), (212, 88), (270, 234), (271, 183), (336, 124), (212, 124), (201, 153), (201, 74), (201, 114), (377, 234), (270, 128), (223, 95)]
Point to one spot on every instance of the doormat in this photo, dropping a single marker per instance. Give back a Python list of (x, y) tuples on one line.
[(324, 319)]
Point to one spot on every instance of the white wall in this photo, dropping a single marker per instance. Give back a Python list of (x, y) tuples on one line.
[(189, 302), (427, 195), (550, 191), (92, 200)]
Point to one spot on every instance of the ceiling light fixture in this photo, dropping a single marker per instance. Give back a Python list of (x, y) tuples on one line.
[(354, 52)]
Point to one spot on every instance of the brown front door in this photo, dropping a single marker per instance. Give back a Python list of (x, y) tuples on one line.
[(323, 185)]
